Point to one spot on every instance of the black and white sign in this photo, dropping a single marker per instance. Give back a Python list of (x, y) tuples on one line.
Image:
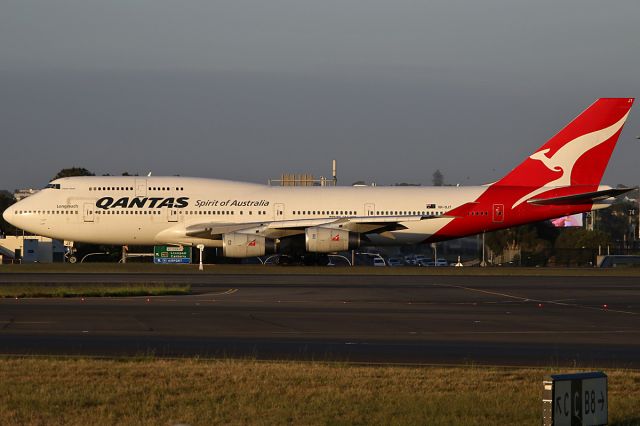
[(576, 399)]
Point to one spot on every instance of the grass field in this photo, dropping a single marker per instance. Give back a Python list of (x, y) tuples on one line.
[(49, 391), (93, 290), (312, 270)]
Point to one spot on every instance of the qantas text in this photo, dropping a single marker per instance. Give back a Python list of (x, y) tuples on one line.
[(148, 202)]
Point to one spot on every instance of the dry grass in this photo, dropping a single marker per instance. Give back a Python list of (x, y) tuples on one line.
[(94, 290), (37, 391)]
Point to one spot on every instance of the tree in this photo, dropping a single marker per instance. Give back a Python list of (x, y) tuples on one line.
[(535, 242), (580, 238), (578, 246), (438, 178), (616, 221), (6, 200), (73, 171)]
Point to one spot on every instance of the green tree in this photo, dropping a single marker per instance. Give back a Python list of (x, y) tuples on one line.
[(580, 238), (73, 171), (616, 221), (578, 246), (535, 242), (6, 200), (532, 237)]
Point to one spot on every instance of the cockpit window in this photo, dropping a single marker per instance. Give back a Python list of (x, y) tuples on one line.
[(53, 186)]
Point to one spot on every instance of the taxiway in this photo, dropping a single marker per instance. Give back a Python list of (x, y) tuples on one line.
[(505, 320)]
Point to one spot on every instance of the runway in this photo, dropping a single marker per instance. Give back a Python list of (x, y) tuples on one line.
[(585, 321)]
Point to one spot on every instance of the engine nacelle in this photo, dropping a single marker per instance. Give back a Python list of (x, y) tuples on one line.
[(328, 240), (247, 245)]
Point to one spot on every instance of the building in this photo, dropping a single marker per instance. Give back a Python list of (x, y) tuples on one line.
[(31, 249), (21, 194)]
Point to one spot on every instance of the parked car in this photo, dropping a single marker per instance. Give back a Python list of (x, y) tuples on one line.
[(420, 258), (378, 261), (394, 261), (437, 262), (442, 262)]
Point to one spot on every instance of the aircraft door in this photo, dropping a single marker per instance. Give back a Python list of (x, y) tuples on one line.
[(369, 209), (498, 213), (278, 210), (141, 187), (88, 213), (172, 215)]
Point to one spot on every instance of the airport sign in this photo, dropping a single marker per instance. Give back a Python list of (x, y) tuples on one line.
[(171, 254), (575, 399)]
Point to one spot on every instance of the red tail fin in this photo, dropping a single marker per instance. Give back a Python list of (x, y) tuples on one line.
[(579, 153)]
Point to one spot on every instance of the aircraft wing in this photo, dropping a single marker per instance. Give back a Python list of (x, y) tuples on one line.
[(285, 228)]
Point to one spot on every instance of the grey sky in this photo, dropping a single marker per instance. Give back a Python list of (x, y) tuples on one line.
[(249, 89)]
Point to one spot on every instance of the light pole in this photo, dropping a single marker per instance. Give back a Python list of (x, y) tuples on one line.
[(201, 248), (483, 263)]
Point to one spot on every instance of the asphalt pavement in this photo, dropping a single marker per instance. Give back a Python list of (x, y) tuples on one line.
[(505, 320)]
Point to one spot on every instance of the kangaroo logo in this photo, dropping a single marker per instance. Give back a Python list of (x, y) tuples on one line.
[(566, 157)]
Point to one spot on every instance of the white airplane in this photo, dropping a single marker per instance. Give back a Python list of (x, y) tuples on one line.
[(245, 219)]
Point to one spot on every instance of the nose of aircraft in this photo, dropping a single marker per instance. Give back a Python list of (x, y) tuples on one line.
[(8, 214)]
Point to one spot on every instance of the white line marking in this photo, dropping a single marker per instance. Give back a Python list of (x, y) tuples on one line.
[(526, 299), (223, 293)]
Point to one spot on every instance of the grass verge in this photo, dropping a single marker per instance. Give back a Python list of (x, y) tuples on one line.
[(157, 391), (94, 290)]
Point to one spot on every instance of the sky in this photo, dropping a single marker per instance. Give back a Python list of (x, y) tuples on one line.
[(250, 89)]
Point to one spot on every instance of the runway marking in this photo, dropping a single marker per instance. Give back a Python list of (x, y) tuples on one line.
[(223, 293), (528, 299), (9, 322), (276, 324)]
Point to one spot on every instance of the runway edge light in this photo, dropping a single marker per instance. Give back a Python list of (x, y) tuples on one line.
[(575, 399)]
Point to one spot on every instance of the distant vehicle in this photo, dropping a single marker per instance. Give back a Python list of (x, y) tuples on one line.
[(378, 261), (442, 262), (438, 262), (394, 261), (410, 261)]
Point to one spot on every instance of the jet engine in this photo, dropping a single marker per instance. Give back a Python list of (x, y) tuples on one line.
[(328, 240), (246, 245)]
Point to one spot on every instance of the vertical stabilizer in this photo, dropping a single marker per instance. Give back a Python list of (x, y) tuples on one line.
[(578, 154)]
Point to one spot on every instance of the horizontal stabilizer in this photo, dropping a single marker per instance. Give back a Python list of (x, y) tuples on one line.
[(584, 198)]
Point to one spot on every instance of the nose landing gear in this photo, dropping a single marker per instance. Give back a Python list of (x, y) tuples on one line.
[(70, 252)]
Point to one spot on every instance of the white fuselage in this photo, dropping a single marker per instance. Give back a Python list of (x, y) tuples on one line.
[(157, 210)]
